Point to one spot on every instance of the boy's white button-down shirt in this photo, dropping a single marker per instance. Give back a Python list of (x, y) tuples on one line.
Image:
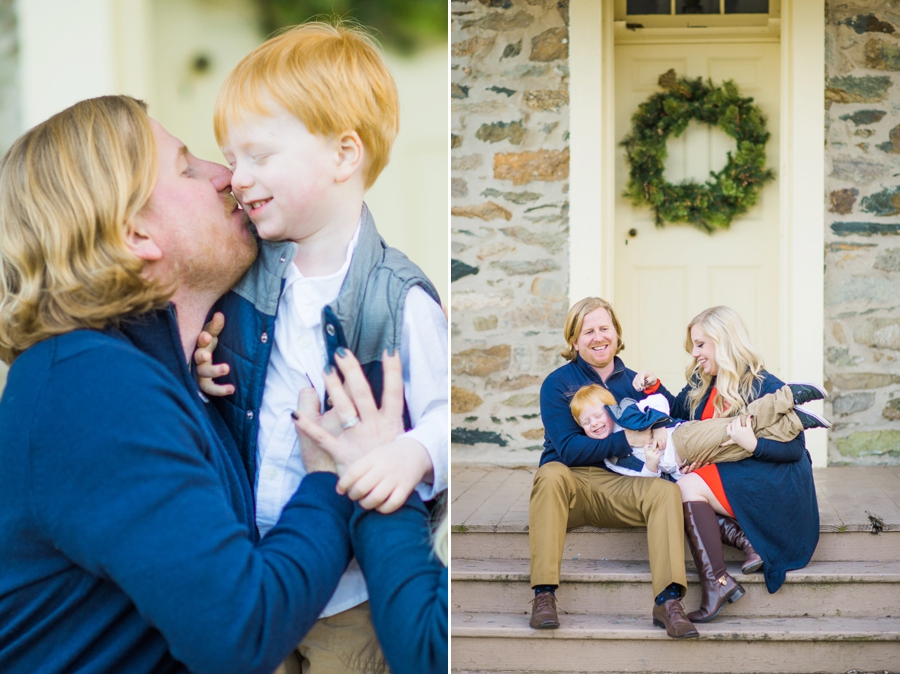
[(297, 361)]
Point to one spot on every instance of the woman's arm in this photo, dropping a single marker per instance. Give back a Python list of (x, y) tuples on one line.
[(407, 586), (680, 406)]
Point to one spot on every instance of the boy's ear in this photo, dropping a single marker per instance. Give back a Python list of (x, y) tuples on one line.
[(140, 242), (350, 154)]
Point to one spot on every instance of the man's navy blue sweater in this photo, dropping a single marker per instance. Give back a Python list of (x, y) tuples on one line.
[(127, 541), (564, 439)]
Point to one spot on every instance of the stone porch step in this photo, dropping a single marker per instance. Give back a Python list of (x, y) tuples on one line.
[(603, 587), (495, 642)]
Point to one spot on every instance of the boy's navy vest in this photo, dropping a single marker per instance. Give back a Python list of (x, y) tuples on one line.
[(367, 318)]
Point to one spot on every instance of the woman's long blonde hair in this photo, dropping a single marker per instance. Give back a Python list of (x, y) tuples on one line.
[(69, 188), (740, 364)]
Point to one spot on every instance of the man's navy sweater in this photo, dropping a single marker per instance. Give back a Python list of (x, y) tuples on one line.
[(127, 541), (564, 439)]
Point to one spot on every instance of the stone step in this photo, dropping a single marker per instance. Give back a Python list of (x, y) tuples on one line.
[(631, 544), (503, 642), (602, 587)]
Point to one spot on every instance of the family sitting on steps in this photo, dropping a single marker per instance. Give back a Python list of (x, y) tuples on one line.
[(730, 446)]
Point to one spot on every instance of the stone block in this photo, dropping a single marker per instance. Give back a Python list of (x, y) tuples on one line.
[(554, 242), (892, 410), (857, 169), (842, 200), (864, 116), (862, 381), (853, 402), (523, 400), (459, 269), (879, 333), (534, 433), (501, 90), (888, 260), (883, 203), (841, 356), (865, 228), (882, 55), (513, 383), (514, 132), (481, 362), (549, 289), (870, 443), (501, 22), (458, 188), (486, 211), (551, 45), (536, 315), (462, 401), (525, 267), (467, 436), (455, 141), (868, 23), (515, 197), (860, 289), (842, 246), (458, 91), (478, 300), (852, 89), (544, 100), (525, 167), (472, 45), (465, 163), (482, 323), (512, 50), (502, 4)]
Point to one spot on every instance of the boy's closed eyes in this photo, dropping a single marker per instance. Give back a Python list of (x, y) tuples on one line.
[(596, 422)]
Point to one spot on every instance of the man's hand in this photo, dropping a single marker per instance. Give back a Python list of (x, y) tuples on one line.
[(741, 434), (203, 357), (644, 380)]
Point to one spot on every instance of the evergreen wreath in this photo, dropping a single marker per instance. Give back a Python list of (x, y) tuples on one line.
[(727, 194)]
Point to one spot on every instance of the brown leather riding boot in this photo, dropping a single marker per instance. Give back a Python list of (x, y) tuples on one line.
[(733, 535), (716, 585)]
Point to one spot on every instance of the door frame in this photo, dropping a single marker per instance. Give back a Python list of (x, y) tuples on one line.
[(801, 201)]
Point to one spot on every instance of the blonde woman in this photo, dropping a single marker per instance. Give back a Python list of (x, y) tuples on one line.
[(771, 494)]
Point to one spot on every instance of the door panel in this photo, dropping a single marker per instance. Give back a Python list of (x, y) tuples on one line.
[(664, 277)]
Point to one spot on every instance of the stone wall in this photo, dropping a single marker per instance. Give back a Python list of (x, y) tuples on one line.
[(509, 242), (862, 236)]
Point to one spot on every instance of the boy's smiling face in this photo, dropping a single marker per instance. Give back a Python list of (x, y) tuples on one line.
[(284, 175), (596, 422)]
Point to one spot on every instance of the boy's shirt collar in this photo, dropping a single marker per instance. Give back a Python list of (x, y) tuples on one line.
[(294, 274)]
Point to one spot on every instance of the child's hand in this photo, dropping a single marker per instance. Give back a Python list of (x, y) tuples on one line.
[(660, 438), (385, 477), (203, 357), (741, 434), (644, 380), (652, 455)]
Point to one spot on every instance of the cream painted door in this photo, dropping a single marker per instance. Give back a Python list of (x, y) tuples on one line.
[(664, 277)]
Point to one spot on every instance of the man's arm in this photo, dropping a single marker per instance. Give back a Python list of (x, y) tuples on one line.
[(567, 437), (124, 490)]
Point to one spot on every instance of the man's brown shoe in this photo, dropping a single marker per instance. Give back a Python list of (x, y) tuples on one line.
[(670, 615), (543, 611)]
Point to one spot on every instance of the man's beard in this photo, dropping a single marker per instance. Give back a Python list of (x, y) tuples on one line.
[(218, 264)]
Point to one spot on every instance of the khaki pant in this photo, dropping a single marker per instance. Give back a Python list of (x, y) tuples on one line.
[(773, 418), (344, 642), (563, 498)]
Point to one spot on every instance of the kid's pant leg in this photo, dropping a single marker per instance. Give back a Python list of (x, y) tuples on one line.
[(699, 442), (774, 417), (344, 642), (560, 499), (620, 501)]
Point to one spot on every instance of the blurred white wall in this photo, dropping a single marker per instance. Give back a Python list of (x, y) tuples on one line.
[(175, 53)]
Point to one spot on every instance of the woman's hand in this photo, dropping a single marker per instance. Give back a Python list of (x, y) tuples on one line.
[(660, 438), (378, 466), (741, 434), (644, 380), (203, 357)]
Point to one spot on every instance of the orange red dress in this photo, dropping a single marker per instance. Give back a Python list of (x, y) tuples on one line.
[(710, 473)]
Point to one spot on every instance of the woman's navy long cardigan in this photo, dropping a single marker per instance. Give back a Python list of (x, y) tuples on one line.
[(772, 493)]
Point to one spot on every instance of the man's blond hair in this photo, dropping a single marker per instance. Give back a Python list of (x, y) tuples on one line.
[(69, 188), (592, 395), (330, 77)]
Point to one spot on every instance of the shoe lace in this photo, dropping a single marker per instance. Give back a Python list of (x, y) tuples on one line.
[(542, 599)]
